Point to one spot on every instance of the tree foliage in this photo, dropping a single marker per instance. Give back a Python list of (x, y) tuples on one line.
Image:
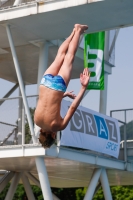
[(118, 193), (65, 193)]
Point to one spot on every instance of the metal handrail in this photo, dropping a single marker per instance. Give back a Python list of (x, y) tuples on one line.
[(124, 123), (10, 3), (7, 137), (8, 124), (125, 140), (13, 125), (121, 110), (3, 99)]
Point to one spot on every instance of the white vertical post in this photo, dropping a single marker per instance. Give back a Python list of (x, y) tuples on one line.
[(16, 136), (43, 64), (92, 185), (105, 185), (20, 118), (17, 2), (43, 177), (41, 168), (58, 138), (23, 125), (125, 137), (27, 187), (103, 93), (20, 80), (13, 186)]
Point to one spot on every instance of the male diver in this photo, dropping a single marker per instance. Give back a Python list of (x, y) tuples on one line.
[(53, 88)]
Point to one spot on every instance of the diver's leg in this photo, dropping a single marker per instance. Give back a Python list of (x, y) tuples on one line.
[(56, 65), (66, 68)]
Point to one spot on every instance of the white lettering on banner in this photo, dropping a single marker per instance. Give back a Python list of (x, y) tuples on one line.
[(102, 129), (91, 130), (112, 146), (89, 120), (97, 63), (112, 125), (73, 119)]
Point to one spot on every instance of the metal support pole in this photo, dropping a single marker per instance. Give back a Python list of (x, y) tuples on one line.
[(125, 138), (58, 138), (16, 137), (20, 118), (6, 180), (35, 180), (32, 178), (27, 187), (103, 96), (97, 188), (41, 168), (125, 144), (23, 125), (13, 186), (113, 42), (105, 185), (43, 64), (17, 2), (43, 177), (20, 80), (103, 93), (92, 185)]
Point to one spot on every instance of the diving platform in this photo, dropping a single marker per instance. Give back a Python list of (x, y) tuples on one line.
[(30, 34), (66, 167)]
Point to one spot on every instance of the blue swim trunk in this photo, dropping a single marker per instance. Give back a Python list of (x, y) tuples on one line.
[(54, 82)]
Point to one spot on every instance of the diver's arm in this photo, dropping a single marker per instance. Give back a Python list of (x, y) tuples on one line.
[(84, 79)]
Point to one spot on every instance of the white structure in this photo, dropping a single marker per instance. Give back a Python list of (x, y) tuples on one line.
[(31, 31)]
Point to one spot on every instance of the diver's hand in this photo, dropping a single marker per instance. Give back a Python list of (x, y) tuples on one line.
[(69, 94), (85, 77)]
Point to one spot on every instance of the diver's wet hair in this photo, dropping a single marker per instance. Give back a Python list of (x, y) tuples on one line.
[(45, 139)]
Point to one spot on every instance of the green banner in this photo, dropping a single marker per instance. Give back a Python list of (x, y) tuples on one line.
[(94, 59)]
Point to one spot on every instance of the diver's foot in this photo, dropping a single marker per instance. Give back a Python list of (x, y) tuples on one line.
[(83, 28)]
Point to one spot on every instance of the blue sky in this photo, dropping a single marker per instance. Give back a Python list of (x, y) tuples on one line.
[(120, 83)]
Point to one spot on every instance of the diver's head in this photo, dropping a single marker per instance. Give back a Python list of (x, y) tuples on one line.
[(47, 138)]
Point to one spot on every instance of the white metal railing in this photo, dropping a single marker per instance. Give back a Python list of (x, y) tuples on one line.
[(10, 3), (125, 117), (129, 143), (14, 131), (13, 125)]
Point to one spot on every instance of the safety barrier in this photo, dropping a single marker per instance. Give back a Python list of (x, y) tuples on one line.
[(14, 127), (9, 139), (13, 120), (10, 3), (125, 117)]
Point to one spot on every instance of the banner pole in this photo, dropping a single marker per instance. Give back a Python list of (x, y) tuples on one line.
[(103, 93)]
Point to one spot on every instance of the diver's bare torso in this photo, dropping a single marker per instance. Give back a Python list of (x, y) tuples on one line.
[(47, 114)]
